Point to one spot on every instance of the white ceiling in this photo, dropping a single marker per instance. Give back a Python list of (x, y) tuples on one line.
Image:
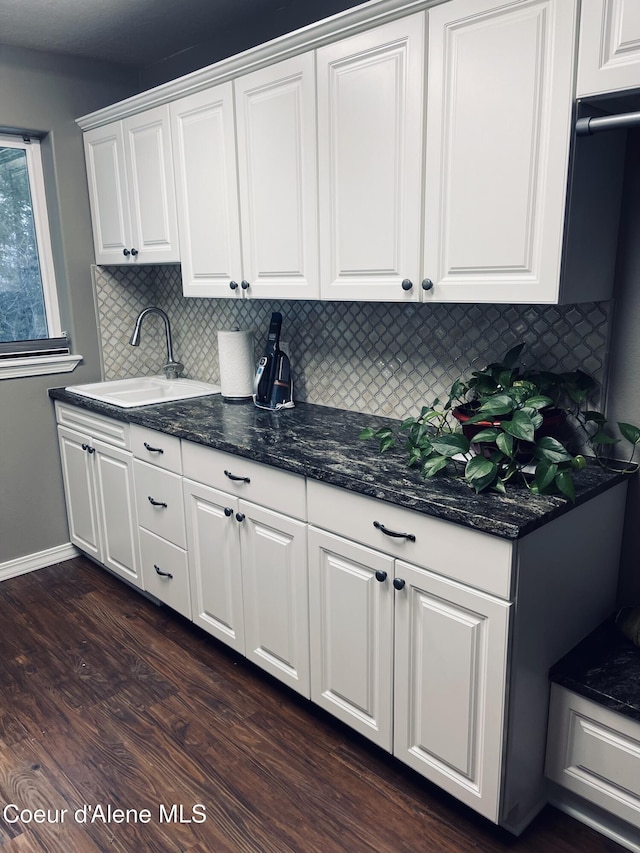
[(137, 33)]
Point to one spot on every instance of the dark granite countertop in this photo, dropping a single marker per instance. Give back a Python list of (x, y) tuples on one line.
[(323, 443), (604, 667)]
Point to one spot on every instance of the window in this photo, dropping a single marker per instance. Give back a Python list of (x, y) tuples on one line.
[(31, 338)]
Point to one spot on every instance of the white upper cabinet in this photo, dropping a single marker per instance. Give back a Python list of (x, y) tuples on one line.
[(499, 109), (131, 190), (206, 188), (609, 55), (263, 240), (370, 126), (276, 134)]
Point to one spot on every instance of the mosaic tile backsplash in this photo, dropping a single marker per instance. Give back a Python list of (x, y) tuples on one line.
[(378, 358)]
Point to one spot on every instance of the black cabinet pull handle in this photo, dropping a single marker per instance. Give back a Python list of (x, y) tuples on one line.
[(233, 285), (156, 503), (153, 449), (399, 583), (427, 284), (381, 576), (408, 536), (88, 448), (240, 516), (126, 253), (407, 284), (162, 574), (134, 252), (238, 479), (245, 285), (228, 511)]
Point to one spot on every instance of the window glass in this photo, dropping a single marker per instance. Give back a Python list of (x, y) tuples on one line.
[(22, 305)]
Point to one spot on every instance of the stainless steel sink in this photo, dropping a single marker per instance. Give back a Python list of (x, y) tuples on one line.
[(144, 390)]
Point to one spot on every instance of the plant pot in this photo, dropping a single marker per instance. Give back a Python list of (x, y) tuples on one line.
[(554, 424)]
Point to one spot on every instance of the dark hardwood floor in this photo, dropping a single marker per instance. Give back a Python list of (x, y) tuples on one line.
[(109, 701)]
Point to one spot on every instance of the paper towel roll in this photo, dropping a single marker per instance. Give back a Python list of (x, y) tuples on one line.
[(237, 367)]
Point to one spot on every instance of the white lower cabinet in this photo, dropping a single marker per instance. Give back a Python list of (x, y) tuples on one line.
[(162, 534), (439, 706), (248, 563), (97, 469), (450, 685), (351, 634)]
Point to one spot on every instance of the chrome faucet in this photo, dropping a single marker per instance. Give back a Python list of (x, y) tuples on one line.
[(172, 368)]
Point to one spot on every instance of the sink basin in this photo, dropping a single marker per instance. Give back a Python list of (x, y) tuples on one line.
[(144, 390)]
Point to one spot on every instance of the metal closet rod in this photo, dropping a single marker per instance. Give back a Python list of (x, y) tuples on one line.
[(589, 126)]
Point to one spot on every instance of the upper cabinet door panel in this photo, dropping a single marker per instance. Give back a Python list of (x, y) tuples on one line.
[(276, 135), (498, 128), (205, 172), (609, 56), (370, 108), (147, 139), (108, 194)]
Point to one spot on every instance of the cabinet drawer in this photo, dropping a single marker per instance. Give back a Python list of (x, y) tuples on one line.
[(281, 491), (159, 502), (155, 447), (476, 559), (111, 431), (595, 752), (173, 586)]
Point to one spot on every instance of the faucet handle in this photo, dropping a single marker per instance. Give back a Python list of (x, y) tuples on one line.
[(173, 369)]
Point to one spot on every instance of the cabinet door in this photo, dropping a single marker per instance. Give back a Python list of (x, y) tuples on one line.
[(500, 78), (274, 570), (117, 507), (351, 634), (609, 56), (154, 225), (206, 187), (450, 684), (370, 125), (276, 115), (213, 547), (108, 193), (79, 491)]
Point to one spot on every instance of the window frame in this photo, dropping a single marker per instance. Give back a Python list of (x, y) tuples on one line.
[(39, 364)]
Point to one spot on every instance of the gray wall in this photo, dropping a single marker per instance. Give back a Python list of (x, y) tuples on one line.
[(624, 364), (43, 93)]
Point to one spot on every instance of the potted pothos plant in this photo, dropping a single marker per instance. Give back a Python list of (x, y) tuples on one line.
[(505, 424)]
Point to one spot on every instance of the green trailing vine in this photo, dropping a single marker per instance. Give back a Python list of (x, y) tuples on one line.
[(510, 408)]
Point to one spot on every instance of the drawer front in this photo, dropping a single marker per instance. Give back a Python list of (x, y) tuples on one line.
[(155, 447), (281, 491), (595, 752), (160, 503), (108, 430), (476, 559), (172, 586)]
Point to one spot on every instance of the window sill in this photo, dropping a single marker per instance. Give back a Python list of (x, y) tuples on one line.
[(39, 365)]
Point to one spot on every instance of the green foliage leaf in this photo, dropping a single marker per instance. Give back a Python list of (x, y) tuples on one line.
[(594, 417), (367, 432), (520, 426), (480, 472), (545, 474), (564, 482), (630, 432), (489, 434), (386, 443), (449, 445), (538, 401), (512, 357), (551, 450), (505, 444), (601, 438), (500, 404), (433, 465)]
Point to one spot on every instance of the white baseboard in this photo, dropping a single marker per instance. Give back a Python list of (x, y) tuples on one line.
[(31, 562)]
